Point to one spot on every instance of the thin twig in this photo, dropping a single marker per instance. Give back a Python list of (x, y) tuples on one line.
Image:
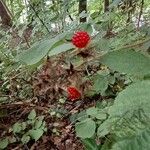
[(69, 15), (36, 13)]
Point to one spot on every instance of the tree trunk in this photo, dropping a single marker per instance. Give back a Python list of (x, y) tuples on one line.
[(5, 14), (82, 7), (106, 5)]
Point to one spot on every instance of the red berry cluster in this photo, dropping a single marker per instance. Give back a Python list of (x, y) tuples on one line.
[(73, 93), (80, 39)]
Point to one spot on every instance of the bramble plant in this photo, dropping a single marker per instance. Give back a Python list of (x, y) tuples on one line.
[(82, 72)]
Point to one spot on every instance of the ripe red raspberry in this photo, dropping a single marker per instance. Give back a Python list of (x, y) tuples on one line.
[(73, 93), (80, 39)]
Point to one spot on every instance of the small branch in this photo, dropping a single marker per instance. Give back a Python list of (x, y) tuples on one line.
[(140, 14), (69, 15), (25, 104)]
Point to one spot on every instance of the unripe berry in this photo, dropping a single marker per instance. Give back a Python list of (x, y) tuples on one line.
[(81, 39)]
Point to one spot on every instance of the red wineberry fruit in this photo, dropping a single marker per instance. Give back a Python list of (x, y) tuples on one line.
[(73, 93), (81, 39)]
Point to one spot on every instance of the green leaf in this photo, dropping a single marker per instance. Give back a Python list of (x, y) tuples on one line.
[(78, 116), (105, 127), (138, 142), (111, 79), (32, 115), (101, 115), (23, 125), (25, 138), (92, 111), (103, 104), (61, 48), (85, 129), (100, 84), (86, 27), (38, 123), (36, 134), (38, 51), (96, 113), (4, 143), (127, 61), (3, 99), (103, 44), (134, 97), (129, 113), (115, 3), (17, 127), (90, 144)]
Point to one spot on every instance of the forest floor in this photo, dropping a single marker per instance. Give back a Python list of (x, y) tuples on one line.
[(47, 87)]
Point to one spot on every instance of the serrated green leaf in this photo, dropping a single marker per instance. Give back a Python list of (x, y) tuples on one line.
[(36, 134), (127, 61), (32, 115), (4, 143), (86, 128)]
